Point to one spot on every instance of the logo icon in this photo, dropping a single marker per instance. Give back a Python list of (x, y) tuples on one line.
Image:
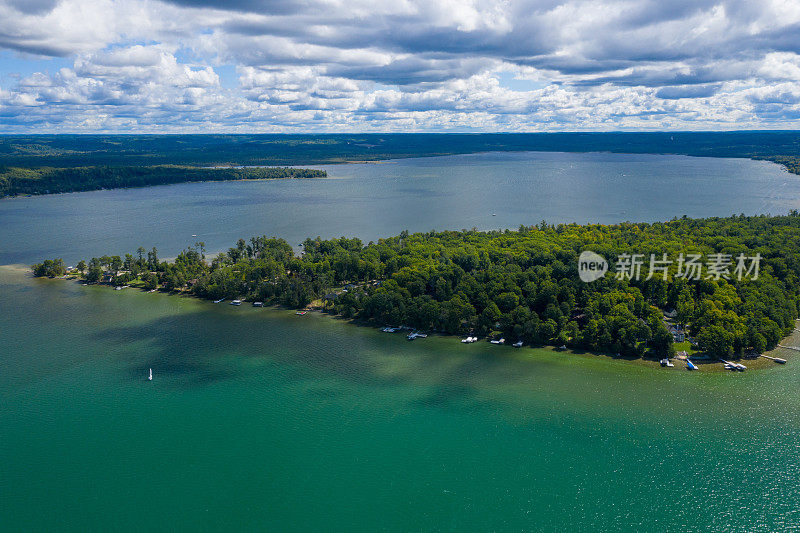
[(591, 266)]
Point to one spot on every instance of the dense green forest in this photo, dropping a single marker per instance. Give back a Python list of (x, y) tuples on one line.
[(522, 285), (45, 180), (276, 149)]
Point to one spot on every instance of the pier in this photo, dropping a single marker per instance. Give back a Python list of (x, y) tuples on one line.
[(734, 366), (795, 348), (776, 359)]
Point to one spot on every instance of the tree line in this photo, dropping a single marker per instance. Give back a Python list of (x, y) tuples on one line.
[(45, 180), (521, 285), (791, 163), (313, 149)]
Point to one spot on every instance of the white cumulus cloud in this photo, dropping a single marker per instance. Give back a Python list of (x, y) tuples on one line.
[(403, 65)]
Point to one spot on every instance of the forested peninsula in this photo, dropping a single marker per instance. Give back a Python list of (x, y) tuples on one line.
[(46, 180), (520, 285)]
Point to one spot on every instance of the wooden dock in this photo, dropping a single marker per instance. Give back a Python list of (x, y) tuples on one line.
[(776, 359), (795, 348), (734, 366)]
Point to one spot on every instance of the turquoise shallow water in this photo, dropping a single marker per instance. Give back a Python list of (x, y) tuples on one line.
[(260, 419)]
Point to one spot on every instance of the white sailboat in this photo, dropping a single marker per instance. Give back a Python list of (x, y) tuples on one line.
[(151, 375)]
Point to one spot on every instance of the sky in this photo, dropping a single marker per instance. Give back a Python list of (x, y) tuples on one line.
[(274, 66)]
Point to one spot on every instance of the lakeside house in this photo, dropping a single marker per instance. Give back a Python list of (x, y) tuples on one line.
[(677, 332)]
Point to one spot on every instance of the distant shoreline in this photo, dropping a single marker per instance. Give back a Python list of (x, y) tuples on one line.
[(790, 165)]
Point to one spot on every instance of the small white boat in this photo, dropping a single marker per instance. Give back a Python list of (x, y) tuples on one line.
[(501, 341), (220, 300), (415, 335), (258, 304), (236, 302), (150, 377), (517, 344)]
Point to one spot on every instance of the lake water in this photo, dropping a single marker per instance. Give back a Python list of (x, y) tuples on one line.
[(380, 200), (260, 419)]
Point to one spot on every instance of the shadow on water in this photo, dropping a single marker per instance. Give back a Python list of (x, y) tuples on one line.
[(173, 347), (207, 346), (197, 347), (447, 395)]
